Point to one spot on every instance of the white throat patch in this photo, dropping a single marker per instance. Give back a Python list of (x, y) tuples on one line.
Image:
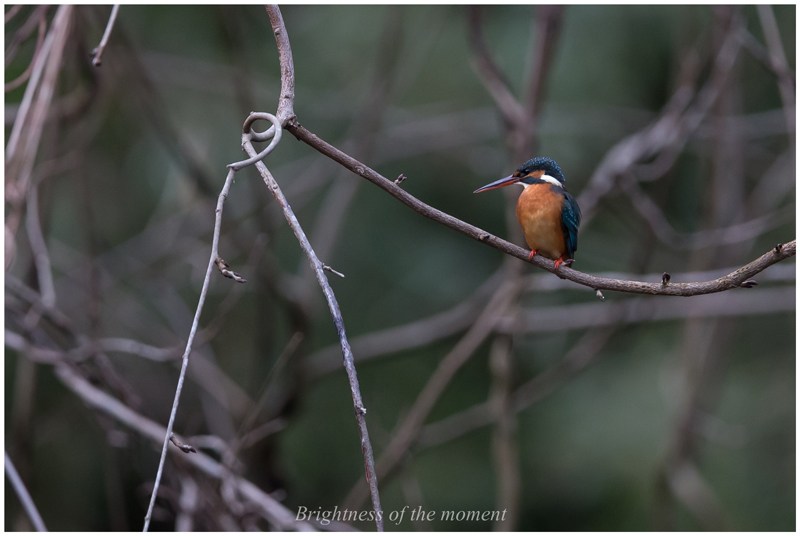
[(546, 178)]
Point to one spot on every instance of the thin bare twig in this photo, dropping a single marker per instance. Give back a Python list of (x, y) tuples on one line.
[(23, 142), (206, 281), (638, 310), (777, 58), (548, 24), (12, 12), (24, 496), (739, 232), (670, 131), (41, 256), (97, 53), (27, 98), (347, 354), (505, 448), (489, 73), (23, 33), (21, 79)]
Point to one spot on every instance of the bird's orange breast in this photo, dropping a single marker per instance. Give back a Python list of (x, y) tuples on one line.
[(539, 213)]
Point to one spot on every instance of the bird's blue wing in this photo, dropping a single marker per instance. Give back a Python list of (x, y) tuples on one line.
[(570, 220)]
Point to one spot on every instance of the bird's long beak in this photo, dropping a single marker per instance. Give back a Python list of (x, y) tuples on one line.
[(506, 181)]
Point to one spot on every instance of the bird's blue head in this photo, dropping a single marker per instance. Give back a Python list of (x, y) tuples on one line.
[(536, 168)]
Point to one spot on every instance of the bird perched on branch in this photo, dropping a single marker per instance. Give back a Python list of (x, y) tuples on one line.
[(548, 214)]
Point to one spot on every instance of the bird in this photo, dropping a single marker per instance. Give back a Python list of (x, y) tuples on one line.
[(548, 214)]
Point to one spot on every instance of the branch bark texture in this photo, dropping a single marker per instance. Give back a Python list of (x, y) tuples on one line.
[(338, 321), (728, 282)]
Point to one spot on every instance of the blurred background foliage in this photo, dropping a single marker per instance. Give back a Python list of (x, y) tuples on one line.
[(133, 157)]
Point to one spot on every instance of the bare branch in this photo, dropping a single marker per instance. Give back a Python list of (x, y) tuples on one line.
[(23, 141), (638, 310), (23, 33), (128, 346), (489, 73), (347, 354), (734, 234), (548, 24), (731, 281), (285, 111), (505, 447), (206, 281), (28, 130), (780, 65), (41, 257), (274, 511), (12, 12), (97, 53), (670, 131), (545, 283), (21, 79), (24, 496)]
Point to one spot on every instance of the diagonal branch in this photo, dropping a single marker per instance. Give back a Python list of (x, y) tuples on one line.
[(333, 305), (24, 496), (490, 75), (731, 281)]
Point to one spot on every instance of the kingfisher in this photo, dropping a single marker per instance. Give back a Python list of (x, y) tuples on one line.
[(548, 214)]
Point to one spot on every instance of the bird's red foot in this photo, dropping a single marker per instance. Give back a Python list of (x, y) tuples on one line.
[(530, 257), (561, 261)]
